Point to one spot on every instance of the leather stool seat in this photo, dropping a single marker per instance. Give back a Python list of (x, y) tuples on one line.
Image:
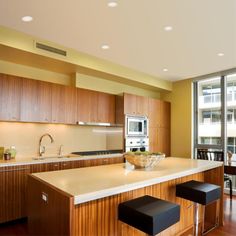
[(148, 214), (199, 192)]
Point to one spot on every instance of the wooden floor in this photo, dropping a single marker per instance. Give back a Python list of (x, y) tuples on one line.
[(20, 227)]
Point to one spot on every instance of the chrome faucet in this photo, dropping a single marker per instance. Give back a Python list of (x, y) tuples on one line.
[(42, 148), (60, 150)]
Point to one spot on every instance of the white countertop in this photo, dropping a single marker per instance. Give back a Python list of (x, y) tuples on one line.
[(91, 183), (51, 159)]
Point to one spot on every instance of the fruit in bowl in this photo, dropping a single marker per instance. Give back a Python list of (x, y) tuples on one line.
[(144, 159)]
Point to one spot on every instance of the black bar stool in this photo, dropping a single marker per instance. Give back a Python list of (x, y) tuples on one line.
[(199, 193), (148, 214)]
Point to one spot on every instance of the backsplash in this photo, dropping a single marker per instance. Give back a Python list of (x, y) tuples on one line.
[(25, 137)]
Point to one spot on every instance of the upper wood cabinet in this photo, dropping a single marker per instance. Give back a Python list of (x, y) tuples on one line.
[(36, 101), (135, 105), (106, 108), (64, 104), (95, 106), (87, 105), (158, 113), (130, 104), (10, 94)]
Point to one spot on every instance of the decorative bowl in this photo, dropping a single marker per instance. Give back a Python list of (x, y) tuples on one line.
[(144, 160)]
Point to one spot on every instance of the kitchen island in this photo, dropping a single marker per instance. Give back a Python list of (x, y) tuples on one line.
[(84, 201)]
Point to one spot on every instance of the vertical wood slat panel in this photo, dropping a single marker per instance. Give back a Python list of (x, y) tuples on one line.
[(13, 185), (99, 217)]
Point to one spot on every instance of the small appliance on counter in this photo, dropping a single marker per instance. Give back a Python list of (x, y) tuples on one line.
[(99, 152)]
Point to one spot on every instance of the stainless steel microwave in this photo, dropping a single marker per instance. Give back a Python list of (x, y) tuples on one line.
[(136, 126)]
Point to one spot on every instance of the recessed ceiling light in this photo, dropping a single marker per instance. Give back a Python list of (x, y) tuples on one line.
[(105, 46), (165, 70), (220, 54), (27, 18), (168, 28), (112, 4)]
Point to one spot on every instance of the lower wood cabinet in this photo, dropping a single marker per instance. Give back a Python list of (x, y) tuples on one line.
[(13, 192), (13, 183)]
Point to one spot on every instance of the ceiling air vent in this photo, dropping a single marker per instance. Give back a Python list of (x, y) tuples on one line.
[(51, 49)]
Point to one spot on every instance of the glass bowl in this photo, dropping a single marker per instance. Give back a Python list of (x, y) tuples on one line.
[(144, 161)]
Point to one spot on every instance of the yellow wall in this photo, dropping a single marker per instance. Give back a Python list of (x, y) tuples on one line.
[(181, 118), (34, 73), (107, 86)]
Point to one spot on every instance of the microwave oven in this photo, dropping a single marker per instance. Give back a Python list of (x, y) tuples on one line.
[(136, 126)]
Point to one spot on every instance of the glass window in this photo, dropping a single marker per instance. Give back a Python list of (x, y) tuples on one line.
[(209, 96), (216, 116)]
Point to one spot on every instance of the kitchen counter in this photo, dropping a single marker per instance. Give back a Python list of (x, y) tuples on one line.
[(91, 183), (51, 159), (84, 201)]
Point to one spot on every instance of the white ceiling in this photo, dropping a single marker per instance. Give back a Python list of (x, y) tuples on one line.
[(134, 31)]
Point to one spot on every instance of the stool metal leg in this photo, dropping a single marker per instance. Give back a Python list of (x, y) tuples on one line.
[(196, 219)]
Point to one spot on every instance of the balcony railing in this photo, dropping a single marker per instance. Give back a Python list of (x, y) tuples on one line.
[(214, 100)]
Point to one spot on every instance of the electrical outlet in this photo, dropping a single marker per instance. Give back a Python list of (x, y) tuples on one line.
[(44, 197)]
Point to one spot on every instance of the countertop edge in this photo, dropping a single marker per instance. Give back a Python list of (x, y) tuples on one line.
[(63, 159)]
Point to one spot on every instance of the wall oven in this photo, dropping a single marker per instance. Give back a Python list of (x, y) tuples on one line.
[(136, 126)]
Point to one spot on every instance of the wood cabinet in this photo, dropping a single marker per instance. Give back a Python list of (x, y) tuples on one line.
[(159, 140), (159, 126), (87, 105), (93, 106), (64, 104), (36, 101), (13, 183), (135, 105), (10, 94), (13, 189), (106, 108), (165, 114), (31, 100)]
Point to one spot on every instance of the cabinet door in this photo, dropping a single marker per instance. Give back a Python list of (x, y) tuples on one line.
[(29, 100), (130, 104), (44, 101), (165, 114), (154, 140), (142, 105), (53, 166), (106, 108), (164, 135), (87, 105), (10, 97), (66, 165), (36, 168), (64, 106), (159, 140), (13, 192), (36, 101), (154, 112)]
